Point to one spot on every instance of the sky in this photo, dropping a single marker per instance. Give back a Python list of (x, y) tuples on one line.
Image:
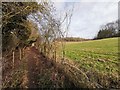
[(88, 15)]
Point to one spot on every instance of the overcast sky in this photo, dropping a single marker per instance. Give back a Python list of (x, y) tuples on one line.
[(89, 15)]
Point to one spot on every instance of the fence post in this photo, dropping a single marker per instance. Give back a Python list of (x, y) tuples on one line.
[(13, 58), (20, 54)]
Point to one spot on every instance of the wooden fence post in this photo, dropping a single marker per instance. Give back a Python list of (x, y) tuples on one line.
[(13, 58), (20, 54)]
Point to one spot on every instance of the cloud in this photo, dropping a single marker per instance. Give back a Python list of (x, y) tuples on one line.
[(89, 15), (85, 0)]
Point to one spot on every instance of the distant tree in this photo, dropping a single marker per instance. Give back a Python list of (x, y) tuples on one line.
[(107, 31)]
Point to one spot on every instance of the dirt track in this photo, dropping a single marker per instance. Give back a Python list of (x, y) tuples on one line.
[(41, 73)]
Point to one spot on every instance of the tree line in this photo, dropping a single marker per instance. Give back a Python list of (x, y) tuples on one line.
[(24, 23), (108, 31), (72, 39)]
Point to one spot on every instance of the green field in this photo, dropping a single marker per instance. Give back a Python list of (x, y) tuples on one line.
[(100, 55)]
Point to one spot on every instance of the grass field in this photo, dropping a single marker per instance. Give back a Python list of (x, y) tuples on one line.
[(98, 59), (100, 55)]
